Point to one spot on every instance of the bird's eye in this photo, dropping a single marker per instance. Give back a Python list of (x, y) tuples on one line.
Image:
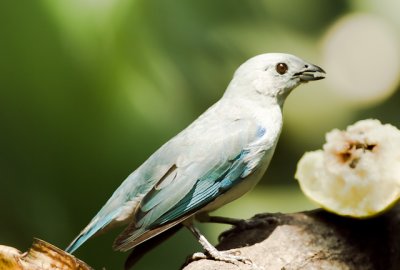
[(281, 68)]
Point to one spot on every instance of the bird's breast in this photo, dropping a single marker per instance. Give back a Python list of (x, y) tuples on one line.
[(258, 152)]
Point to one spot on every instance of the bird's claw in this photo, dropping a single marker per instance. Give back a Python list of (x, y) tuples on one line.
[(223, 256)]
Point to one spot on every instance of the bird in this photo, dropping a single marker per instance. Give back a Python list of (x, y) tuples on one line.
[(215, 160)]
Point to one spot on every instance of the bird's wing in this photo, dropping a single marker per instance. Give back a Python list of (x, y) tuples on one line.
[(125, 200), (209, 158)]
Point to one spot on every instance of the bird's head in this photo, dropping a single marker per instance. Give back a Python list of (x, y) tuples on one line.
[(274, 75)]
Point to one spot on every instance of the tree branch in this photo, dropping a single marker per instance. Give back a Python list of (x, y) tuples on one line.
[(314, 240)]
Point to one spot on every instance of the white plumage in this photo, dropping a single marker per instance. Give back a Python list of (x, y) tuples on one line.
[(215, 160)]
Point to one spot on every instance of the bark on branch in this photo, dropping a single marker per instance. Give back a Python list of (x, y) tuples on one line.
[(314, 240)]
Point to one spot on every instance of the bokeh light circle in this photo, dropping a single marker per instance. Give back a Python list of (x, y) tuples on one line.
[(362, 58)]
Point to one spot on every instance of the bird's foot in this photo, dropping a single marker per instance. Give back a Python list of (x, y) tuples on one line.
[(212, 253), (227, 256), (243, 225)]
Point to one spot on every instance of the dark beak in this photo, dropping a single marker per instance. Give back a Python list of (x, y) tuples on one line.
[(310, 73)]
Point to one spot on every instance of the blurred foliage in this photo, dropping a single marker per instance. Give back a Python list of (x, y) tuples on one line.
[(89, 89)]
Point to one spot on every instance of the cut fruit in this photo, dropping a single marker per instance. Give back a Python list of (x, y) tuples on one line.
[(357, 173)]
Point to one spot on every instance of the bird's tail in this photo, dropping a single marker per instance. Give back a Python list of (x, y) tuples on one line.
[(96, 225)]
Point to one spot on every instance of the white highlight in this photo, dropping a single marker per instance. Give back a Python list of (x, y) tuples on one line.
[(362, 55)]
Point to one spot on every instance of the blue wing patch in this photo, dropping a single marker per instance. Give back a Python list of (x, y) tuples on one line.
[(216, 182)]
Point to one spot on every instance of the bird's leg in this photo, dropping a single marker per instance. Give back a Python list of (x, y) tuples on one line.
[(239, 224), (211, 251)]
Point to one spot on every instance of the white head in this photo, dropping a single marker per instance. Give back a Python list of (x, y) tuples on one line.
[(273, 75)]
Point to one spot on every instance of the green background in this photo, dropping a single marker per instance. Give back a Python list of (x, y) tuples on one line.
[(89, 89)]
